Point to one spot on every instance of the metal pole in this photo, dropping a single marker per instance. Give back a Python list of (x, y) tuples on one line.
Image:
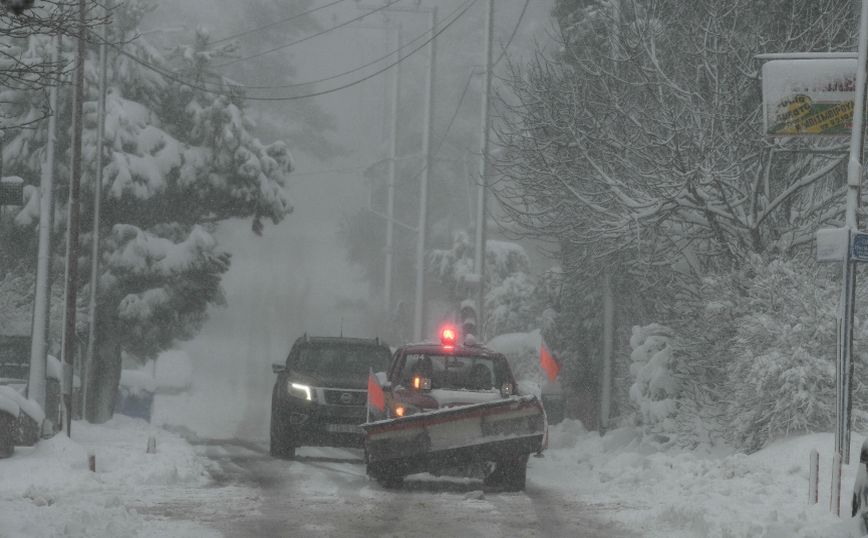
[(72, 232), (608, 349), (854, 187), (87, 374), (482, 194), (42, 298), (419, 314), (393, 155)]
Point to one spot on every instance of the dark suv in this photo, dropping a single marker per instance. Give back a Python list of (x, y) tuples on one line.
[(320, 396)]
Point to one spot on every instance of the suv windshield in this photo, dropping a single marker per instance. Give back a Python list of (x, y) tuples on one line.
[(454, 372), (341, 360)]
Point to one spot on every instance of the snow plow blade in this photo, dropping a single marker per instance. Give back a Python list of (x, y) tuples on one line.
[(505, 429)]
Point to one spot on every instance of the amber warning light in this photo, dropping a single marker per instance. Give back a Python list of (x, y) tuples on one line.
[(448, 336)]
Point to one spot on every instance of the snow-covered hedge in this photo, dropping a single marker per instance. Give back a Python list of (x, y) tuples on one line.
[(754, 361)]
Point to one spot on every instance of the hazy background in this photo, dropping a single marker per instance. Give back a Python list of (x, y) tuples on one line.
[(295, 278)]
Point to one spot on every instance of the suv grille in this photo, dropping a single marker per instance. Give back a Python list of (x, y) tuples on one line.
[(345, 397)]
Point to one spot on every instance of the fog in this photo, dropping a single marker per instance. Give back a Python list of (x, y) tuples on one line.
[(296, 279)]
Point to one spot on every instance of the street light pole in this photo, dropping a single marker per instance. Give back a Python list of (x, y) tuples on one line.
[(73, 222), (482, 190), (846, 308), (393, 155), (87, 374), (419, 313), (42, 296)]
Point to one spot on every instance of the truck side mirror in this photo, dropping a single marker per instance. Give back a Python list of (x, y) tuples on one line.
[(278, 368)]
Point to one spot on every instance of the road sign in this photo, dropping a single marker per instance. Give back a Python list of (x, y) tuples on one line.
[(860, 247)]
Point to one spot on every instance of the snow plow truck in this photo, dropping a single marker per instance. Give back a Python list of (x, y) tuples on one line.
[(451, 409)]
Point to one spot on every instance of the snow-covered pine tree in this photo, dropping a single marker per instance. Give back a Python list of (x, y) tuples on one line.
[(178, 160)]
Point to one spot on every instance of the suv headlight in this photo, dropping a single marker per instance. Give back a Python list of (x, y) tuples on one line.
[(297, 390)]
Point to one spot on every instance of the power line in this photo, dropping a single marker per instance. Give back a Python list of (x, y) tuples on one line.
[(355, 69), (171, 76), (306, 38), (514, 32), (276, 23), (467, 87), (448, 127)]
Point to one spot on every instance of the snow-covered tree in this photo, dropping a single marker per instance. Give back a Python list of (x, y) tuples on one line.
[(637, 150), (177, 160), (512, 295)]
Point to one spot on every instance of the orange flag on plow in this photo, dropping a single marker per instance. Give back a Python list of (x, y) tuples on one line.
[(548, 362), (376, 397)]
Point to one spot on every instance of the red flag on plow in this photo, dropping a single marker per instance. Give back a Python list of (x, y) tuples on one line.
[(376, 397), (548, 362)]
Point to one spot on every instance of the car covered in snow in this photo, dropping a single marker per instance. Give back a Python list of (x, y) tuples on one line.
[(14, 377), (320, 394), (454, 409)]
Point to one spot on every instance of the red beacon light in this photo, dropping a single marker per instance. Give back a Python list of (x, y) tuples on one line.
[(448, 336)]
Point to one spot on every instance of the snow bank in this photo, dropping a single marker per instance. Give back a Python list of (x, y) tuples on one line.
[(681, 494), (49, 491)]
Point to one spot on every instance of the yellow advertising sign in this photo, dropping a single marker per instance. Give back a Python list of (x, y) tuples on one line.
[(808, 97)]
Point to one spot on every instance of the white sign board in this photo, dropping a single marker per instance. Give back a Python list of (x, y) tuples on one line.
[(832, 244)]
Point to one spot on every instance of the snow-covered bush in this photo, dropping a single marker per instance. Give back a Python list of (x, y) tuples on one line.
[(781, 374), (654, 391)]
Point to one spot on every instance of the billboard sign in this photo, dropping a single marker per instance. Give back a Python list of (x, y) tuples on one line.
[(809, 96)]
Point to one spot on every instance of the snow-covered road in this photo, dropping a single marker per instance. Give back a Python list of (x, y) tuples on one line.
[(325, 492)]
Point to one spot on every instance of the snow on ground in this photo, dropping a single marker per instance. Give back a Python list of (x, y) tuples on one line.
[(48, 491), (681, 494)]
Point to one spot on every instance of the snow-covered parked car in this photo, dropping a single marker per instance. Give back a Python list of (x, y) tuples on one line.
[(14, 375), (9, 411), (21, 421)]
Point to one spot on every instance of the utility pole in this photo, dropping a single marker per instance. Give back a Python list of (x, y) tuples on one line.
[(482, 191), (421, 244), (846, 308), (42, 298), (87, 375), (419, 314), (72, 248), (393, 156)]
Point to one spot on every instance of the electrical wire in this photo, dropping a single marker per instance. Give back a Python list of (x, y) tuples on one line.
[(355, 69), (171, 76), (514, 32), (309, 37), (276, 23), (467, 87), (442, 139)]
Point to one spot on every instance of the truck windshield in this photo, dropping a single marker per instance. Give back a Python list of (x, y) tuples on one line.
[(454, 372), (341, 360)]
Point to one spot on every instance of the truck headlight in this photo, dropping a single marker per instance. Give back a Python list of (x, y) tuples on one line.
[(300, 391)]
